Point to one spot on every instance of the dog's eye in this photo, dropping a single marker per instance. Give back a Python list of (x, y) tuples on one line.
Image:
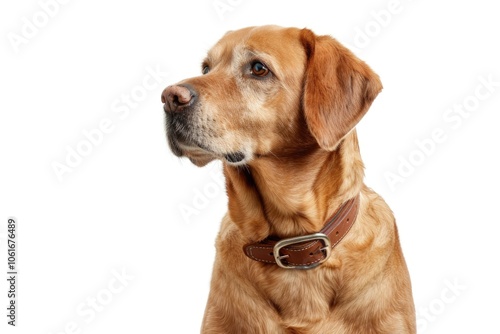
[(259, 69), (205, 69)]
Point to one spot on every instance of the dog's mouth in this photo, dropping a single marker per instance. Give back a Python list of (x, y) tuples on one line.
[(235, 158), (181, 147), (201, 154), (198, 156)]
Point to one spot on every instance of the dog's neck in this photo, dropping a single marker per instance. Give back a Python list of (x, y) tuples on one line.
[(291, 196)]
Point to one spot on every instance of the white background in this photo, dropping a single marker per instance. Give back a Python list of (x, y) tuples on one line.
[(120, 208)]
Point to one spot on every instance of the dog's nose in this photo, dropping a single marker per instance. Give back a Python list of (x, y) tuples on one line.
[(177, 97)]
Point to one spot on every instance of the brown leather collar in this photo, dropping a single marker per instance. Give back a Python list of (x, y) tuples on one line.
[(308, 251)]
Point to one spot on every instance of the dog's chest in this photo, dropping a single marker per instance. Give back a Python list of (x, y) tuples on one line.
[(299, 294)]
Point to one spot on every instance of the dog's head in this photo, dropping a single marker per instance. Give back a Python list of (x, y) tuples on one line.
[(266, 90)]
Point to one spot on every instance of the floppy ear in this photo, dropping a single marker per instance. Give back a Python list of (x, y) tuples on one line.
[(339, 88)]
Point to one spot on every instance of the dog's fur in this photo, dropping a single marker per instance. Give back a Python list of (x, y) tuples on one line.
[(298, 160)]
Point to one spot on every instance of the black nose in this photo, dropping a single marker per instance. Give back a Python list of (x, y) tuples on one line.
[(177, 98)]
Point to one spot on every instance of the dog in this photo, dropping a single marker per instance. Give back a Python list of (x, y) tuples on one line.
[(305, 246)]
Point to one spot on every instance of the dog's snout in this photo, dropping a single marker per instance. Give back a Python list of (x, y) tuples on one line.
[(177, 97)]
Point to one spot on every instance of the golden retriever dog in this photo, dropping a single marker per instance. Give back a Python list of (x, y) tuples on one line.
[(305, 246)]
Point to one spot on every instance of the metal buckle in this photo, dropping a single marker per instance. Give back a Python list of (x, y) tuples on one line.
[(327, 249)]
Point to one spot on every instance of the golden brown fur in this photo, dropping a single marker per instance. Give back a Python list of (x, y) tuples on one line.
[(295, 131)]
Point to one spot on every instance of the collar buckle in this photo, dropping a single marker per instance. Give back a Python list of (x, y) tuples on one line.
[(321, 237)]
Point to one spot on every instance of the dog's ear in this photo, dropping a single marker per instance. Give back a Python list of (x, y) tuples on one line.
[(338, 90)]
